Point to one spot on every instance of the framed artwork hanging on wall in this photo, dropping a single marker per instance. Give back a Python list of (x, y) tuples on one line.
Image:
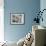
[(17, 18)]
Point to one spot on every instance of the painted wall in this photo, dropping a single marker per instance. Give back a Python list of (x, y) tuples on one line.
[(28, 7), (1, 21), (43, 6)]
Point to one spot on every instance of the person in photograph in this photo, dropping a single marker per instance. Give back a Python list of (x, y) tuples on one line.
[(16, 19)]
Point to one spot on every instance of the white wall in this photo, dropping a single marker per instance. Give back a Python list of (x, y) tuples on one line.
[(1, 20)]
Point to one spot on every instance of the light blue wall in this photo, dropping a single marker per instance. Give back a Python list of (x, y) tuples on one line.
[(43, 6), (28, 7)]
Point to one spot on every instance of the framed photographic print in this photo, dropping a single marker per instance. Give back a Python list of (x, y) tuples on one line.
[(17, 18)]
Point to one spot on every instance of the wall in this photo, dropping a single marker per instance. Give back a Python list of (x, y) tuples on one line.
[(1, 21), (43, 6), (28, 7)]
